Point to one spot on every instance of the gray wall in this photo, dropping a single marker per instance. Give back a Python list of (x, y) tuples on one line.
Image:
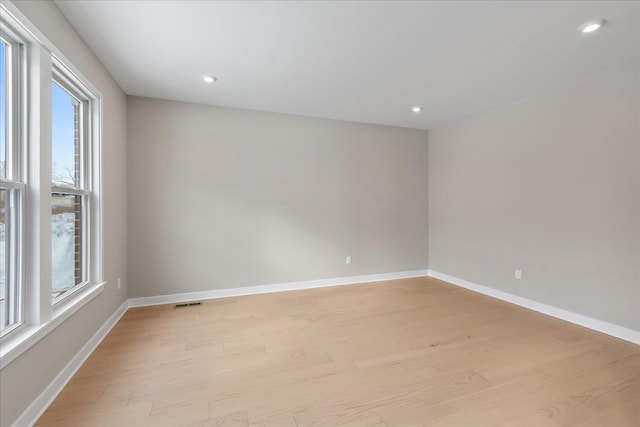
[(27, 376), (548, 184), (222, 198)]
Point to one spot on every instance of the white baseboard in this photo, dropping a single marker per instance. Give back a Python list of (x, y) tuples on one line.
[(579, 319), (279, 287), (42, 402)]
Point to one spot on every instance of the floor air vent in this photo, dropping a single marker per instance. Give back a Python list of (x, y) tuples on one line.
[(187, 304)]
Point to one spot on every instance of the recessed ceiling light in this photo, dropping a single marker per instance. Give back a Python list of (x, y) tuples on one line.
[(209, 79), (416, 109), (591, 26)]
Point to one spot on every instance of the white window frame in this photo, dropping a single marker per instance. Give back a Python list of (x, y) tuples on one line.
[(39, 315), (13, 181), (63, 77)]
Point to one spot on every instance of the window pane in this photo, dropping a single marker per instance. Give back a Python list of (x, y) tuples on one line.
[(3, 108), (66, 242), (9, 262), (66, 134), (3, 260)]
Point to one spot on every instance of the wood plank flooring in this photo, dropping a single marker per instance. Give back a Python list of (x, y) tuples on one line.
[(405, 352)]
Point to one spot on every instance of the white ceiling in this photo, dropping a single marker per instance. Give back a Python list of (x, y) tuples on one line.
[(359, 61)]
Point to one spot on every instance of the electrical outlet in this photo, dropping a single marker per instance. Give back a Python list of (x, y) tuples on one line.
[(518, 274), (119, 284), (348, 260)]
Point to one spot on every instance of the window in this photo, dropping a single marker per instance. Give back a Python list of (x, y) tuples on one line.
[(70, 185), (12, 187), (50, 193)]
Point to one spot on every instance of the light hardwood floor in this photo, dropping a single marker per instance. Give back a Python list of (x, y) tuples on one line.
[(406, 352)]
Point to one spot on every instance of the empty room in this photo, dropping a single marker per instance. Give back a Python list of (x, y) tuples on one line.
[(301, 213)]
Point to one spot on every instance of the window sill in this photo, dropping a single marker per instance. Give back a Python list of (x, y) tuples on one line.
[(27, 335)]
